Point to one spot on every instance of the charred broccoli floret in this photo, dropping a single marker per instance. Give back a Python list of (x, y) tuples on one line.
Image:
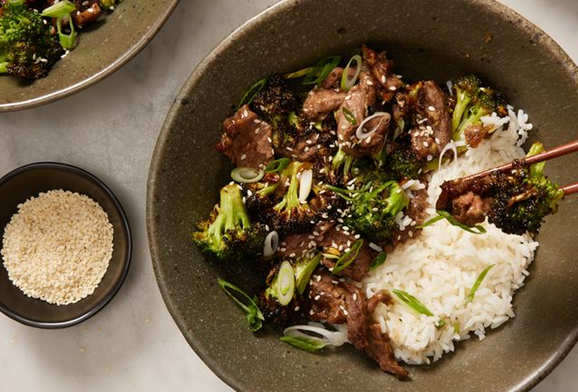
[(286, 284), (108, 4), (28, 47), (274, 103), (472, 103), (292, 215), (374, 204), (228, 233), (404, 164), (274, 201), (465, 89), (524, 199)]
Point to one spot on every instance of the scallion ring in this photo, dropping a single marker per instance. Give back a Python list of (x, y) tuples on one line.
[(347, 83), (62, 8), (316, 332), (277, 165), (285, 283), (246, 175), (271, 244), (360, 130)]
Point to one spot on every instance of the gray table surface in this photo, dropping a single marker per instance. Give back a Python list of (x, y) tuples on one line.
[(110, 130)]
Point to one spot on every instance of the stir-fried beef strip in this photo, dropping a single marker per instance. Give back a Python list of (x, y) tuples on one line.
[(246, 139), (306, 148), (379, 348), (333, 80), (341, 241), (351, 114), (336, 302), (431, 129), (320, 102), (327, 298), (87, 11), (470, 209), (474, 134), (382, 70), (483, 187)]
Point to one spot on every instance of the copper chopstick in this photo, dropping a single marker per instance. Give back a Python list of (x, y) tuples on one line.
[(559, 151), (570, 189)]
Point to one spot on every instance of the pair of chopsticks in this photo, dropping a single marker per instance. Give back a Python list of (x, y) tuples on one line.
[(544, 156)]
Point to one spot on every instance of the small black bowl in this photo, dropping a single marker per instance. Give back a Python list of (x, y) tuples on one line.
[(28, 181)]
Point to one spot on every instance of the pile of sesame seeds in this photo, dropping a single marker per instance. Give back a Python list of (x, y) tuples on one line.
[(58, 246)]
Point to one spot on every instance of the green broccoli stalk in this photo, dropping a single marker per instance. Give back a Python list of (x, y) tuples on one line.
[(28, 49), (466, 89), (228, 234), (341, 165), (374, 205), (473, 103), (523, 199), (291, 215)]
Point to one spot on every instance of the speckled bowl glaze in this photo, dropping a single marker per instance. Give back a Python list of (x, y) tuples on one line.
[(428, 39), (102, 49)]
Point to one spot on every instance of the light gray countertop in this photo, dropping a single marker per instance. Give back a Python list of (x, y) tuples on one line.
[(110, 130)]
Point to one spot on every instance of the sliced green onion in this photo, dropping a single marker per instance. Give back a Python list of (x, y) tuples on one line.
[(252, 92), (60, 9), (360, 129), (431, 222), (378, 261), (67, 41), (457, 327), (300, 73), (271, 244), (252, 312), (304, 343), (318, 333), (3, 67), (349, 116), (347, 83), (347, 258), (318, 125), (322, 70), (303, 272), (416, 305), (452, 221), (277, 165), (247, 175), (477, 284), (285, 283)]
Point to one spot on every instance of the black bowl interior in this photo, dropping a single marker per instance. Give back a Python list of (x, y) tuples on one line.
[(28, 181)]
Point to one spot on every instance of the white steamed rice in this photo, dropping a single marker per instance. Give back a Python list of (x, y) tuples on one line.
[(440, 266)]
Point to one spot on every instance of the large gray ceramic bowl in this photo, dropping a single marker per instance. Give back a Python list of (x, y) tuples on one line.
[(428, 39), (102, 49)]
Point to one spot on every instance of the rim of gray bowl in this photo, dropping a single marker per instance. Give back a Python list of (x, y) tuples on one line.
[(125, 223), (281, 6), (97, 77)]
